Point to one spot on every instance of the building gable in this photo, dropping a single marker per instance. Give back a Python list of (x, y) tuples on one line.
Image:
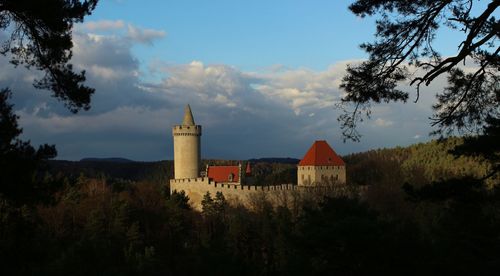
[(321, 154)]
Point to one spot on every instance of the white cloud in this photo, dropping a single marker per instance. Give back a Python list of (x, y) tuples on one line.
[(274, 112), (118, 28), (303, 89), (144, 36), (224, 100), (104, 25), (383, 123), (109, 73)]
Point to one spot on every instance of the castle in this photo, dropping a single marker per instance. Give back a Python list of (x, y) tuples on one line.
[(320, 166)]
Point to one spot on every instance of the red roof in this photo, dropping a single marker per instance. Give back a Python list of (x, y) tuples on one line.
[(321, 154), (221, 173)]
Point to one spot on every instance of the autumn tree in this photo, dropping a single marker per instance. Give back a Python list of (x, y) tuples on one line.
[(404, 50)]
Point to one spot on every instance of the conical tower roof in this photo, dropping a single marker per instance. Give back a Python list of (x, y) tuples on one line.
[(188, 117)]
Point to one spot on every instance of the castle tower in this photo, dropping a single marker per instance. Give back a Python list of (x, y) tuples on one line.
[(321, 166), (187, 152)]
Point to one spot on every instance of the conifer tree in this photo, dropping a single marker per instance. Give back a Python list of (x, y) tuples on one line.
[(404, 50), (40, 37)]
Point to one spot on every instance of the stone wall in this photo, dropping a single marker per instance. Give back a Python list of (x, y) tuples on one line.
[(196, 188), (318, 175)]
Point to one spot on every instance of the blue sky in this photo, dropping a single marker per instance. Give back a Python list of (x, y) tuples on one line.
[(246, 34), (262, 78)]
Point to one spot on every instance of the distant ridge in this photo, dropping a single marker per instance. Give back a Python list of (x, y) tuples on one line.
[(286, 160), (112, 159)]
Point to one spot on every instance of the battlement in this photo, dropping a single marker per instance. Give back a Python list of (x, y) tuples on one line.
[(181, 130), (320, 168), (197, 188), (190, 180), (202, 181), (229, 186)]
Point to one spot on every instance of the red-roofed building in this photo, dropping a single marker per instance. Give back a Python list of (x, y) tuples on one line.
[(230, 174), (320, 166), (224, 174)]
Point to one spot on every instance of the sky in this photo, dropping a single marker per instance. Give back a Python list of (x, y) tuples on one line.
[(262, 78)]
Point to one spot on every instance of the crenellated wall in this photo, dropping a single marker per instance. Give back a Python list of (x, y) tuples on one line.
[(196, 188)]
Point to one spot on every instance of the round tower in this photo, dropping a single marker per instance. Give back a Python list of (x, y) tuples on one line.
[(187, 157)]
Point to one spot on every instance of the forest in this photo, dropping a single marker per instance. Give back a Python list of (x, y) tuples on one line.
[(104, 217), (430, 208)]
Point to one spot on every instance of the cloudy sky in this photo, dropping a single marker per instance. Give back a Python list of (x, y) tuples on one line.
[(261, 77)]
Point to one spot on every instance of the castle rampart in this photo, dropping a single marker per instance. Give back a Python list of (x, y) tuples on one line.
[(242, 194)]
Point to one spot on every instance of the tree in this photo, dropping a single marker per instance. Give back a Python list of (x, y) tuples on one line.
[(18, 159), (179, 199), (220, 204), (486, 146), (207, 205), (404, 51), (40, 37)]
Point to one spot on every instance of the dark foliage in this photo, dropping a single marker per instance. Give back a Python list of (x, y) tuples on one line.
[(20, 162), (103, 225), (158, 172), (485, 146)]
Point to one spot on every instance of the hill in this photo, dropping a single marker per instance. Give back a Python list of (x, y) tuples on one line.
[(286, 160), (114, 168), (386, 171), (416, 164), (267, 171), (112, 159)]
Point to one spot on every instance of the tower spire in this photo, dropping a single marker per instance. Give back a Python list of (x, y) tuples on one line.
[(188, 117), (187, 151)]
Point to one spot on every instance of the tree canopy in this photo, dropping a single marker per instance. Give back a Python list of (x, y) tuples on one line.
[(404, 50), (40, 36)]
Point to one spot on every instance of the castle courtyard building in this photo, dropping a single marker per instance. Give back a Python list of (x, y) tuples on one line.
[(321, 166)]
